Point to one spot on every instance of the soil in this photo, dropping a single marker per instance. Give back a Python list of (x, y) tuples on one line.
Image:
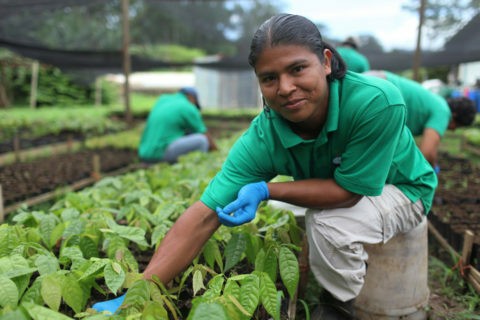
[(456, 205), (455, 210), (21, 181)]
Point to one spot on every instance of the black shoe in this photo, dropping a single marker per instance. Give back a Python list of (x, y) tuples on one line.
[(330, 308)]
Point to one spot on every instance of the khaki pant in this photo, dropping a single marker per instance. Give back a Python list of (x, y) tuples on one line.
[(336, 237)]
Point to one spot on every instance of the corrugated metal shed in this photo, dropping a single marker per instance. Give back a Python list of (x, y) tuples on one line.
[(223, 88)]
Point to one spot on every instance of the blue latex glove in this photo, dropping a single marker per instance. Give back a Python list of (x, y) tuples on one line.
[(109, 305), (243, 209), (436, 168)]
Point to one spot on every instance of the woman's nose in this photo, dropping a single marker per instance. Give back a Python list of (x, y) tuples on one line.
[(285, 86)]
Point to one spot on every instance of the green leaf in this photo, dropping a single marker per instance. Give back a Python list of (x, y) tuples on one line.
[(253, 246), (250, 294), (260, 260), (289, 270), (232, 288), (211, 252), (154, 311), (88, 246), (270, 265), (15, 266), (74, 227), (268, 295), (56, 234), (41, 313), (133, 234), (16, 314), (33, 293), (46, 227), (114, 276), (208, 311), (197, 282), (8, 292), (70, 214), (138, 293), (52, 290), (73, 254), (234, 250), (46, 264), (73, 293), (94, 268), (215, 286)]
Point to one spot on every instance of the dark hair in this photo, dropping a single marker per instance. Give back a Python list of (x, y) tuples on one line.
[(463, 110), (286, 29), (352, 42)]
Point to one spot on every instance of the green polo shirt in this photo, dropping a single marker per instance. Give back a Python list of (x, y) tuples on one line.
[(172, 116), (425, 109), (355, 61), (363, 145)]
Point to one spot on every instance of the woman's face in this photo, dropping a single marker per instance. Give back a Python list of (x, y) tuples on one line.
[(293, 82)]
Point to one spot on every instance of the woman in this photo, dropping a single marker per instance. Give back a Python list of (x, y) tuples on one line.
[(341, 136)]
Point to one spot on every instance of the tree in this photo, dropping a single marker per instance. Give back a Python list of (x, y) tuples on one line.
[(247, 18), (370, 44), (443, 18)]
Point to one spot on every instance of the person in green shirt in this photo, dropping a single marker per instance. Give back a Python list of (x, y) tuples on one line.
[(342, 137), (174, 127), (355, 60), (429, 115)]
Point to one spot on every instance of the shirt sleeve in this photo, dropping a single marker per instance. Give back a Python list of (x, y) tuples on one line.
[(248, 161), (439, 117), (193, 120)]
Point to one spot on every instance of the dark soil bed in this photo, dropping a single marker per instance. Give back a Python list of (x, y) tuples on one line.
[(21, 181), (457, 203)]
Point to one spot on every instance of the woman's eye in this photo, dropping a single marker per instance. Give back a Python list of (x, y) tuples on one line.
[(267, 79), (298, 68)]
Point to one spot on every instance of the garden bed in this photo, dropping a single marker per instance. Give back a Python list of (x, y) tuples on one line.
[(24, 180), (456, 206)]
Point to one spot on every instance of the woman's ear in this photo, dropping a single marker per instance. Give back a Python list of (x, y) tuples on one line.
[(327, 61)]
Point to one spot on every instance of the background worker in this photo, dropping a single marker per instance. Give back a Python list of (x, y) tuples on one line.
[(355, 60), (341, 136), (429, 115), (174, 127)]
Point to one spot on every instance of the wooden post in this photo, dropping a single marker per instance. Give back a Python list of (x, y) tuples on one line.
[(467, 248), (98, 91), (16, 146), (126, 61), (2, 211), (69, 143), (96, 174), (34, 85)]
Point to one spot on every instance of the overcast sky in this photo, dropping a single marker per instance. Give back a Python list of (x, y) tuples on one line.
[(393, 26)]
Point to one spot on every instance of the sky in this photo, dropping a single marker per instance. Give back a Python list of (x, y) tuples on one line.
[(394, 27)]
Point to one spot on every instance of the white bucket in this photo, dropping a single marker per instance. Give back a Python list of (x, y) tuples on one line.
[(396, 284)]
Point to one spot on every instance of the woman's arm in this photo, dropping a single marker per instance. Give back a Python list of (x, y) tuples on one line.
[(313, 193), (183, 242)]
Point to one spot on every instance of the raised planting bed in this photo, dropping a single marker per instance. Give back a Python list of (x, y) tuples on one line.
[(24, 180), (456, 206)]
